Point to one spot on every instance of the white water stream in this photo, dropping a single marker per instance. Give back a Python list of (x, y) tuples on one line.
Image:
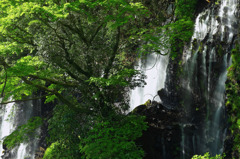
[(6, 122), (13, 115), (154, 67), (210, 29)]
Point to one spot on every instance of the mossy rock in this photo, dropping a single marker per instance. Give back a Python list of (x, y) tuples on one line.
[(142, 108)]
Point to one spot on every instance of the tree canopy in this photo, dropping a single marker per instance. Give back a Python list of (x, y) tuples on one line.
[(78, 54), (65, 46)]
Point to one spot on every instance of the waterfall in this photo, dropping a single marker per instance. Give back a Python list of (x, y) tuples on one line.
[(205, 66), (21, 152), (12, 116), (6, 123), (154, 67), (183, 140)]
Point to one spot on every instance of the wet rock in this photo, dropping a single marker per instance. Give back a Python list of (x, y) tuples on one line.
[(224, 20), (6, 153)]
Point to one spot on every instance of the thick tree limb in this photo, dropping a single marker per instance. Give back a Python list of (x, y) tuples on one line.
[(96, 32), (78, 31), (72, 63), (70, 73), (53, 81)]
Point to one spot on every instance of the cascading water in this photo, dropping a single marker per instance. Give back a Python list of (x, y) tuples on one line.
[(6, 123), (154, 67), (13, 115), (206, 63)]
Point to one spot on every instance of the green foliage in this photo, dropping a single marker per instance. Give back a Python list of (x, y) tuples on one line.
[(185, 9), (233, 99), (23, 133), (65, 44), (52, 152), (172, 36), (122, 78), (64, 128), (207, 156), (25, 67), (59, 150), (179, 33), (114, 139), (63, 117)]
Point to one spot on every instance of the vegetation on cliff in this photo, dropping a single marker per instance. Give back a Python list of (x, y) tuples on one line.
[(233, 100)]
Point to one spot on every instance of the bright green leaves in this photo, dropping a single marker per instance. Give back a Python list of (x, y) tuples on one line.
[(51, 97), (16, 89), (114, 139), (25, 66), (17, 21), (23, 133), (56, 149), (13, 86), (33, 69), (52, 152), (179, 33), (207, 156), (183, 29), (171, 37), (60, 150), (7, 48)]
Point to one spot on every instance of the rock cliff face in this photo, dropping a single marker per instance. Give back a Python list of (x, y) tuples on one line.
[(163, 136)]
